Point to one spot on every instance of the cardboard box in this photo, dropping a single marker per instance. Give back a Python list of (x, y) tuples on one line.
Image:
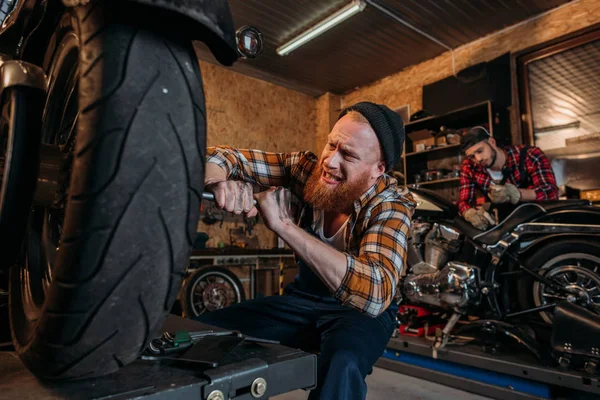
[(424, 136)]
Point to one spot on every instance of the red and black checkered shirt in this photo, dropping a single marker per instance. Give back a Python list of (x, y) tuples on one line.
[(541, 177)]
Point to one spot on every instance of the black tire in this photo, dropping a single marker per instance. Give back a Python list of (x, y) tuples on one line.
[(550, 257), (224, 280), (133, 197)]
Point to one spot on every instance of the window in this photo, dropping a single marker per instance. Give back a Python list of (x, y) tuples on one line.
[(560, 108)]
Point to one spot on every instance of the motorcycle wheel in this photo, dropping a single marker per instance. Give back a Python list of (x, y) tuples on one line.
[(103, 264), (573, 263), (210, 289)]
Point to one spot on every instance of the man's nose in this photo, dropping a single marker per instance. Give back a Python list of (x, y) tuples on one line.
[(332, 160)]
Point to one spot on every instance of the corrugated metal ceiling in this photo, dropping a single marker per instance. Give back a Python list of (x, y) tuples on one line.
[(370, 45)]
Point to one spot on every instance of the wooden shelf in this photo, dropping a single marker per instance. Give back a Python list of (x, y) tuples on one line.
[(455, 179), (450, 146)]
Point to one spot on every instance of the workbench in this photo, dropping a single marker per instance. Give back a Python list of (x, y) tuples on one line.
[(263, 266)]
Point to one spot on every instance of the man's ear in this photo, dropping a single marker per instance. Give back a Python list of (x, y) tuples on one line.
[(492, 142), (380, 169)]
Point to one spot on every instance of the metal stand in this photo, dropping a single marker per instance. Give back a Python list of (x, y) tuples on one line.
[(500, 376), (252, 371)]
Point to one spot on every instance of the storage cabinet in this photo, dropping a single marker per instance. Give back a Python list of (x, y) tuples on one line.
[(432, 155)]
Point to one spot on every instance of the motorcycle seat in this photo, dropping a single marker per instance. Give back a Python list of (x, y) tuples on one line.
[(523, 213)]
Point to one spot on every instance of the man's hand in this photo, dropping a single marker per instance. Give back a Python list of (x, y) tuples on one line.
[(234, 196), (507, 193), (479, 218), (275, 207)]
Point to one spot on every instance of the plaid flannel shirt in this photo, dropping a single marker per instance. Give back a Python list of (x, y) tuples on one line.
[(537, 165), (375, 243)]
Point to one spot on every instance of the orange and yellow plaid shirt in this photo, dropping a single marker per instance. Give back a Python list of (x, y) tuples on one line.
[(377, 234)]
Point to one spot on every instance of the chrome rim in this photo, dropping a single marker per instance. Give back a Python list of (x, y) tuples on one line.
[(578, 274)]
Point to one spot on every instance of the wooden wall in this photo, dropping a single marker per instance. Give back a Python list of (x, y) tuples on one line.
[(249, 113), (328, 109)]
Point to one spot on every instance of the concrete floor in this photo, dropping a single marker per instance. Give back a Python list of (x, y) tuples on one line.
[(384, 384)]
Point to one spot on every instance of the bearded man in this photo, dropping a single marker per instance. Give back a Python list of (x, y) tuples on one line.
[(347, 222)]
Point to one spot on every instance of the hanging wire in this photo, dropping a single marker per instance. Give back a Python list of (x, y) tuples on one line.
[(396, 17)]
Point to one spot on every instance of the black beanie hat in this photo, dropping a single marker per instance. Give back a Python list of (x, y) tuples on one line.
[(388, 127), (473, 136)]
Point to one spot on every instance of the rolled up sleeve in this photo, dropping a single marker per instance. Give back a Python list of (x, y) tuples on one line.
[(542, 176), (371, 278)]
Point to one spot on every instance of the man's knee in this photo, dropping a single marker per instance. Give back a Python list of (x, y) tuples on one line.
[(347, 360)]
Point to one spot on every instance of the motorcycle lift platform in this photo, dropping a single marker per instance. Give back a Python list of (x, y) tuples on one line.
[(499, 376), (283, 369)]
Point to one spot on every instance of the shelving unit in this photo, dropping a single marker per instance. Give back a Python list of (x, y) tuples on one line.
[(447, 147), (493, 118)]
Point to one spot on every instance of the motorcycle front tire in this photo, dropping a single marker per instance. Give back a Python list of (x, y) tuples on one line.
[(133, 199)]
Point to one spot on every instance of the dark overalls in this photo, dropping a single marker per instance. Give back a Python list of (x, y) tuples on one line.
[(309, 318)]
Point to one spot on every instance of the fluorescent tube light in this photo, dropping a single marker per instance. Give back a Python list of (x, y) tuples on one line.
[(343, 14)]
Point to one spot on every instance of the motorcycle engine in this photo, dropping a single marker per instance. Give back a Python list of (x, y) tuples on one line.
[(434, 279), (430, 247), (455, 286)]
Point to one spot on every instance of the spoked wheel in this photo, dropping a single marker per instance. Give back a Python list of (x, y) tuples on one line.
[(210, 289), (575, 266), (579, 275), (118, 195)]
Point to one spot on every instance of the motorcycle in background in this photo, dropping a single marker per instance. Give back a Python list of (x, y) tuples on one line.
[(102, 151), (543, 256)]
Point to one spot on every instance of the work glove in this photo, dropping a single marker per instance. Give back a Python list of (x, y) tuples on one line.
[(507, 193), (479, 218)]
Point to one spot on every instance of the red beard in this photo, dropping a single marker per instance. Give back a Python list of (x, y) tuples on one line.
[(341, 198)]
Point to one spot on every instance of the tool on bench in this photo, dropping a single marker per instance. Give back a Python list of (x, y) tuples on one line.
[(204, 347)]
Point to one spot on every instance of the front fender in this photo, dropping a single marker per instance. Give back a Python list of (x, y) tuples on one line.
[(208, 21), (214, 16)]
